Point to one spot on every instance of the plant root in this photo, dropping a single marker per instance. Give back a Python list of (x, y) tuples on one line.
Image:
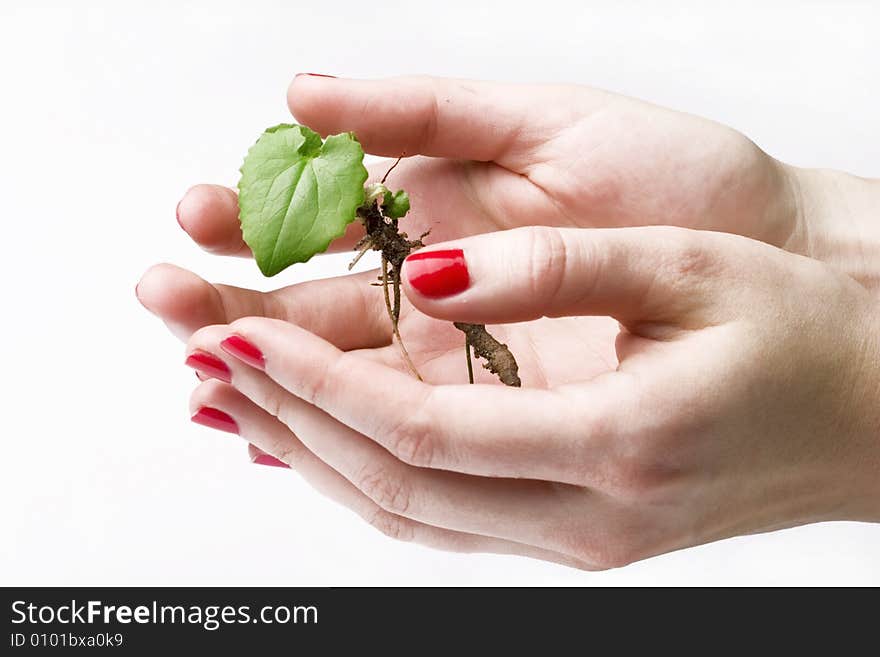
[(394, 314), (499, 359), (467, 357), (383, 234), (396, 162), (366, 247)]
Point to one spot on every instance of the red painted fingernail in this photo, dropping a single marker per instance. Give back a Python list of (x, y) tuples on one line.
[(208, 364), (244, 351), (268, 459), (317, 75), (437, 273), (216, 419)]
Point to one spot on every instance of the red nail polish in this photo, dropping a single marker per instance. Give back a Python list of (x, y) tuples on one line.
[(208, 364), (268, 459), (437, 273), (317, 75), (244, 351), (215, 419)]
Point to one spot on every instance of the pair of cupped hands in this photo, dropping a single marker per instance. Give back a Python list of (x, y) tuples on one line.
[(696, 326)]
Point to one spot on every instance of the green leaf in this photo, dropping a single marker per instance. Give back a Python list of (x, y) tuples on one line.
[(297, 194), (395, 205)]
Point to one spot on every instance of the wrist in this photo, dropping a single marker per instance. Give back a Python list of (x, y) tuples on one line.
[(838, 221), (870, 401), (855, 475)]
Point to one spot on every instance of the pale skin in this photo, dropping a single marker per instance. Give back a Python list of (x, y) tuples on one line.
[(696, 329)]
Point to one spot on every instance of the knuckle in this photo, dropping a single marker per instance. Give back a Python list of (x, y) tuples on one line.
[(628, 476), (691, 257), (413, 440), (388, 490), (690, 261), (271, 304), (637, 478), (289, 454), (315, 389), (274, 400), (393, 526), (605, 550), (614, 553), (547, 261), (429, 95), (641, 459)]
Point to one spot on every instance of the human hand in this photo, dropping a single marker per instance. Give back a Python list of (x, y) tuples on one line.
[(501, 156), (492, 156), (441, 188), (744, 399)]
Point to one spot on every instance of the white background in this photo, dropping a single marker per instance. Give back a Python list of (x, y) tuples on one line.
[(110, 110)]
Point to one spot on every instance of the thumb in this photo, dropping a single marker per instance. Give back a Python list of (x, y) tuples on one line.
[(645, 274)]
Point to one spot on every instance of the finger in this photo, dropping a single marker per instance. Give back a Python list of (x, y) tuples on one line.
[(186, 302), (437, 189), (270, 436), (346, 310), (636, 275), (476, 429), (463, 119), (209, 214), (524, 511)]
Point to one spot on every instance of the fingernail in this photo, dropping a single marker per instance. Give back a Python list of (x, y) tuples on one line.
[(317, 75), (208, 364), (244, 351), (177, 213), (215, 419), (437, 273), (268, 459)]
